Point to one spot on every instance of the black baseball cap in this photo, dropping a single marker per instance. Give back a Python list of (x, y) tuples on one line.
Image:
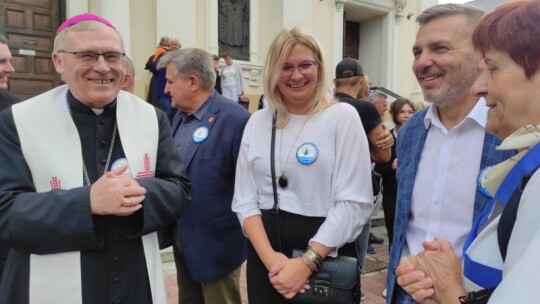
[(348, 67)]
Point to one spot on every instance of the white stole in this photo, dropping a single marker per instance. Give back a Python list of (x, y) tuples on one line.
[(51, 147)]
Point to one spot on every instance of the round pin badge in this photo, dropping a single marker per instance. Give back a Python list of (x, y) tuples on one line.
[(118, 163), (482, 178), (307, 153), (200, 134)]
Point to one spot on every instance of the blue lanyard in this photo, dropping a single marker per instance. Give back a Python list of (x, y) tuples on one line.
[(483, 275)]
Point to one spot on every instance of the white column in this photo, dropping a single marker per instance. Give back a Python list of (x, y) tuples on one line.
[(337, 47), (117, 12), (76, 7), (212, 25), (177, 19), (394, 73), (388, 49), (254, 31)]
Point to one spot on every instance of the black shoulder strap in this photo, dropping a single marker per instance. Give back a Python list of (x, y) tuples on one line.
[(275, 208), (508, 216)]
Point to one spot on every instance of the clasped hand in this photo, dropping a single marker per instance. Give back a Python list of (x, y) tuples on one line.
[(289, 276), (432, 274), (108, 195)]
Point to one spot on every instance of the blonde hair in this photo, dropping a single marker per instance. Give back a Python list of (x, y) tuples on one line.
[(277, 54), (364, 91)]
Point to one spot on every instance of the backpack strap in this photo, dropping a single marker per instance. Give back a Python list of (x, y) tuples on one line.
[(508, 216)]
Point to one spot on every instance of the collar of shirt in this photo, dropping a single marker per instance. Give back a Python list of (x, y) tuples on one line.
[(199, 114), (478, 114), (77, 107), (341, 95)]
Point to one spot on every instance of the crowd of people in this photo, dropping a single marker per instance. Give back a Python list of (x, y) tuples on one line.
[(229, 76), (89, 194)]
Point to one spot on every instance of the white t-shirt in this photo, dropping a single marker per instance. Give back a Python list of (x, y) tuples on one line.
[(337, 184)]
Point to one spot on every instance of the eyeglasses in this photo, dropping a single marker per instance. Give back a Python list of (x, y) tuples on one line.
[(304, 67), (89, 57)]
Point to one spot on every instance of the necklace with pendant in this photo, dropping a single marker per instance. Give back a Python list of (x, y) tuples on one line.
[(283, 180), (109, 155)]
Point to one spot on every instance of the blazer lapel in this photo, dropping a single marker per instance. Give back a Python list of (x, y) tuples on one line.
[(207, 121), (417, 146)]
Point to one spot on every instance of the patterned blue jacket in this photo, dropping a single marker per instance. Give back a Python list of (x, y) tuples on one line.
[(410, 143)]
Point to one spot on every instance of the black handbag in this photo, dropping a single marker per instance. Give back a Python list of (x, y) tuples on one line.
[(337, 281)]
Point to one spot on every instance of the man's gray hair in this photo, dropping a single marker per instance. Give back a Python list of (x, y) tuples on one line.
[(376, 96), (191, 61), (449, 9), (3, 39)]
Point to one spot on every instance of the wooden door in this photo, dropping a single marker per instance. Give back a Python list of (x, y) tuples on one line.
[(30, 27), (351, 43)]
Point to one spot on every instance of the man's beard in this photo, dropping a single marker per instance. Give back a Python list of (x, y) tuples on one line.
[(448, 95)]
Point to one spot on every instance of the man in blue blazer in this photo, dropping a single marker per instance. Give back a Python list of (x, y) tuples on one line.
[(209, 246), (441, 149)]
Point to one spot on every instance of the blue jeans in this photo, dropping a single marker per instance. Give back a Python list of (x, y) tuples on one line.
[(363, 240)]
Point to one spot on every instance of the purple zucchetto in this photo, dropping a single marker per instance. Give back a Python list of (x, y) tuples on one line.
[(83, 17)]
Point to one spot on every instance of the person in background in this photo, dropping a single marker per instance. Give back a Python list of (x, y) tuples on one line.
[(175, 44), (129, 78), (163, 46), (209, 246), (400, 110), (325, 194), (501, 256), (369, 238), (364, 91), (349, 82), (380, 101), (441, 149), (93, 184), (164, 97), (217, 68), (263, 102), (232, 78), (6, 99)]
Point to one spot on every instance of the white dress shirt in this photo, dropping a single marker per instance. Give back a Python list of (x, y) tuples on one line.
[(442, 200)]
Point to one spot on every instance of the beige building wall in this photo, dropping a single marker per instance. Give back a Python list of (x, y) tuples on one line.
[(387, 32)]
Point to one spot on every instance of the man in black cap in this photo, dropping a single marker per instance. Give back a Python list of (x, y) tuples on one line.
[(349, 81)]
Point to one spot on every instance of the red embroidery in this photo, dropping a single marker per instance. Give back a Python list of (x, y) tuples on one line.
[(146, 172), (55, 183)]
